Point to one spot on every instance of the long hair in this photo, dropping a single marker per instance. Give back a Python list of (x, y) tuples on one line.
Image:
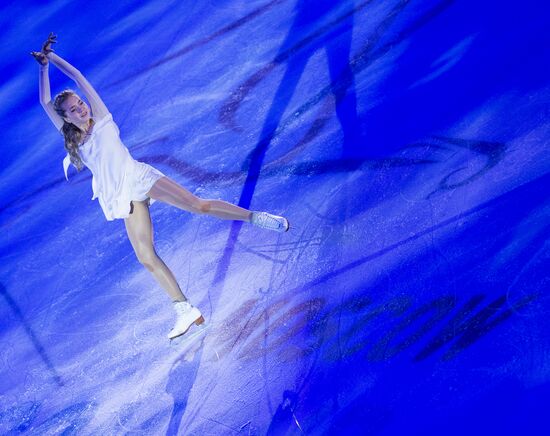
[(72, 134)]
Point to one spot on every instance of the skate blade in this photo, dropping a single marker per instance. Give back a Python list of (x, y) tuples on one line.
[(198, 322), (185, 338)]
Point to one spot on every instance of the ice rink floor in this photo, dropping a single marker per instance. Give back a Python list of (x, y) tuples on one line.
[(406, 141)]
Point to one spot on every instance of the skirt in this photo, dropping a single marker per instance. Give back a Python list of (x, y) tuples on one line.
[(139, 178)]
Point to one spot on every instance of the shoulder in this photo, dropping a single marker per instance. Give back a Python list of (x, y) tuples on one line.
[(106, 119), (102, 117), (101, 120)]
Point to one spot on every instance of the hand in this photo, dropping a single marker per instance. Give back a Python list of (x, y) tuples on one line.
[(40, 57), (47, 46)]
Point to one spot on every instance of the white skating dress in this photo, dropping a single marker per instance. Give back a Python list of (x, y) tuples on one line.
[(117, 178)]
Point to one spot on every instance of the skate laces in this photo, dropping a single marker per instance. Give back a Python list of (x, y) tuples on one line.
[(182, 307)]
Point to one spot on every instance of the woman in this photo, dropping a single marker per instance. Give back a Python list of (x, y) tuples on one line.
[(126, 187)]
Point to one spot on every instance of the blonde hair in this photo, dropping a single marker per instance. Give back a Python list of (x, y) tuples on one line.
[(72, 134)]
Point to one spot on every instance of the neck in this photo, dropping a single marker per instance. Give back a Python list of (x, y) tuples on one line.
[(83, 126)]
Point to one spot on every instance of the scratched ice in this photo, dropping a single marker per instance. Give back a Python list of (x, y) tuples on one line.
[(406, 141)]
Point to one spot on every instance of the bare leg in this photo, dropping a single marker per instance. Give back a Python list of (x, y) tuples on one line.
[(140, 232), (168, 191)]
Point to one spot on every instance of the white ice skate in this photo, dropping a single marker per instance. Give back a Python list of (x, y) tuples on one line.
[(265, 220), (186, 316)]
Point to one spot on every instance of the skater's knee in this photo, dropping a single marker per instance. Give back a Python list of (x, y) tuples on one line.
[(148, 258), (201, 206), (150, 265), (205, 206)]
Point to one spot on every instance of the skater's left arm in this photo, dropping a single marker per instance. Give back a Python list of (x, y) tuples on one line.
[(98, 107)]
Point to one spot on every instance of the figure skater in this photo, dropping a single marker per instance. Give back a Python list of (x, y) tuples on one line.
[(125, 187)]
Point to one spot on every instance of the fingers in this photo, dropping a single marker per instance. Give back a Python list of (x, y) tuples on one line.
[(46, 47), (40, 57)]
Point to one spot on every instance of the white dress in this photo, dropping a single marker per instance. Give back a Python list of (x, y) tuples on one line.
[(117, 178)]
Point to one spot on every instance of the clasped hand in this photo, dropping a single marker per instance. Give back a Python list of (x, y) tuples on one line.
[(41, 56)]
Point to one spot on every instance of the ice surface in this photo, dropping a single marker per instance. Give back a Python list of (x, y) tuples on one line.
[(407, 143)]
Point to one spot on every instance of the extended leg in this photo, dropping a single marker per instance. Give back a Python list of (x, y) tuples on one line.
[(140, 232), (168, 191)]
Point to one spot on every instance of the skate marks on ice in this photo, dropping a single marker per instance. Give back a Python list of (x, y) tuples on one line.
[(433, 151), (181, 378), (182, 366), (31, 418), (29, 331), (201, 42), (296, 327), (299, 330), (289, 54), (366, 56), (517, 194)]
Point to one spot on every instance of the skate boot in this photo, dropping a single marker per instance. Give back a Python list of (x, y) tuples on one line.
[(267, 221), (186, 316)]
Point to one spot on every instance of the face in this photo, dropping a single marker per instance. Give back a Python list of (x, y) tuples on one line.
[(76, 111)]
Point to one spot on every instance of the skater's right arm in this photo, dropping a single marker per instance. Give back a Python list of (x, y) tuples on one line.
[(47, 55), (44, 89)]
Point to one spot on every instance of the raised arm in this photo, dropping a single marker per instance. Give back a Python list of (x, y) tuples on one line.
[(98, 107), (44, 85), (45, 96)]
